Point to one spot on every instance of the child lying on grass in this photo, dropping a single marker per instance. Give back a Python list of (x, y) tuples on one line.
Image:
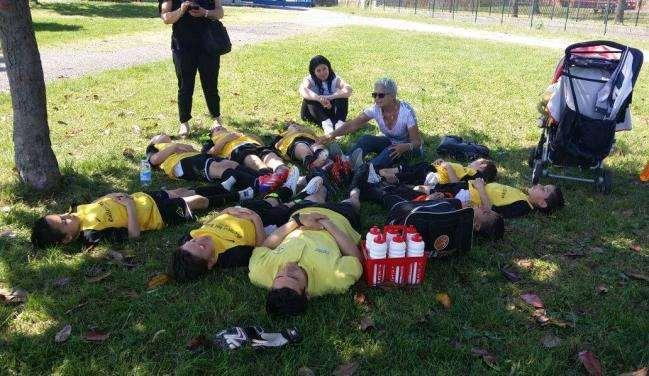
[(120, 215), (440, 172)]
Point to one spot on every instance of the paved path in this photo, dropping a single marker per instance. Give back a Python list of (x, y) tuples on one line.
[(127, 51)]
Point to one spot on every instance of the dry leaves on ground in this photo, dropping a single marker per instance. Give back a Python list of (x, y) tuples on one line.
[(366, 324), (361, 299), (96, 336), (635, 248), (639, 372), (158, 280), (550, 340), (63, 334), (13, 296), (99, 277), (533, 300), (197, 343), (601, 289), (346, 369), (7, 234), (486, 355), (510, 274), (443, 299), (591, 363)]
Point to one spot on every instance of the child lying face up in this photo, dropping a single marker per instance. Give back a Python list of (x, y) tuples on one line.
[(440, 172)]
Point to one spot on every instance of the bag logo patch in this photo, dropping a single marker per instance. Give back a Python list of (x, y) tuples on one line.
[(441, 242)]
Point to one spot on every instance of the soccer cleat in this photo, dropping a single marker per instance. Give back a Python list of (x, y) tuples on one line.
[(292, 179)]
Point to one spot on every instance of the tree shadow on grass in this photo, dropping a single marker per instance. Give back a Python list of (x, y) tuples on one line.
[(113, 10), (55, 26)]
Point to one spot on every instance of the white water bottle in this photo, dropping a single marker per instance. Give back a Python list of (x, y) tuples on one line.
[(379, 247), (410, 232), (369, 238), (397, 247), (416, 246), (145, 173), (390, 234)]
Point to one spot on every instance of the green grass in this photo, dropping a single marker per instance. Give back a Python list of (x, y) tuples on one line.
[(58, 23), (485, 91), (520, 26)]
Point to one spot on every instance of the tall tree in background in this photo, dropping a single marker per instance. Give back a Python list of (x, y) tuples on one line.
[(33, 153), (514, 9), (619, 11)]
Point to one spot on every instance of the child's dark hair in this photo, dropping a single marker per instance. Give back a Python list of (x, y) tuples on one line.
[(43, 234), (285, 301), (187, 267), (490, 172), (492, 227), (553, 202)]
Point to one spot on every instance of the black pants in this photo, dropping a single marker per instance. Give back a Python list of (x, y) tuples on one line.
[(314, 112), (390, 195), (414, 174), (187, 62)]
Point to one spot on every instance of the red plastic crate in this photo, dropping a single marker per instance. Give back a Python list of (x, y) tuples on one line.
[(400, 271)]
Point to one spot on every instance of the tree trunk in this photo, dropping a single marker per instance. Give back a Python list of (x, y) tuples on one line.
[(515, 9), (33, 153), (536, 7), (619, 11)]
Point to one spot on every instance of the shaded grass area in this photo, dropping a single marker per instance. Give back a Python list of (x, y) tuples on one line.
[(485, 91)]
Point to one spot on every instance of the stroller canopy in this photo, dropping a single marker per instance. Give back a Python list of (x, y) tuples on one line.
[(599, 76)]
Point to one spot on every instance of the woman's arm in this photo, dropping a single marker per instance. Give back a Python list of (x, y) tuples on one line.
[(344, 90), (347, 128), (345, 243), (171, 16), (415, 136), (307, 93)]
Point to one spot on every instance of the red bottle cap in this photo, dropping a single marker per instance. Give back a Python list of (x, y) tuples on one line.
[(380, 239), (398, 239), (375, 230), (417, 238), (411, 229)]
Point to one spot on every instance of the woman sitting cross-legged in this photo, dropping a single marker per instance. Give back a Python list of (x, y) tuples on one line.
[(325, 95), (400, 139)]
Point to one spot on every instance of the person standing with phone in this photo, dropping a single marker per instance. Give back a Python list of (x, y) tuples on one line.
[(192, 46)]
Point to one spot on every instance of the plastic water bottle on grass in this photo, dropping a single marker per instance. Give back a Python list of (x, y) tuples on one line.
[(145, 173)]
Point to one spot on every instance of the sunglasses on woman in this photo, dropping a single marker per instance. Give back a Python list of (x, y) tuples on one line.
[(379, 95)]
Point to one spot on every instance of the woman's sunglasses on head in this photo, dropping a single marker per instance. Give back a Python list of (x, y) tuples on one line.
[(378, 95)]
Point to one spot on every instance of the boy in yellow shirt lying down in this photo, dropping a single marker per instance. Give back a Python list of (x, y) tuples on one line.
[(120, 215)]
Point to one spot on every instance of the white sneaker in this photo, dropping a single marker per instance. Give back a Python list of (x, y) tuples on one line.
[(328, 127), (228, 183), (372, 176), (292, 178), (313, 185), (246, 194), (431, 179), (183, 130)]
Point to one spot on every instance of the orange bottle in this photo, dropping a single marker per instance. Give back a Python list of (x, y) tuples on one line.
[(644, 175)]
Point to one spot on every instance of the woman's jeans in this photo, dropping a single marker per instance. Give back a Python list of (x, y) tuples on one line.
[(187, 62), (380, 145), (314, 111)]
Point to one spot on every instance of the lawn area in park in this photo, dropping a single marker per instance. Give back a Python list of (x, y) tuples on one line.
[(633, 36), (58, 23), (484, 91)]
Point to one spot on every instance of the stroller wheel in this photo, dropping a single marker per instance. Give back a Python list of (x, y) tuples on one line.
[(604, 182), (537, 171)]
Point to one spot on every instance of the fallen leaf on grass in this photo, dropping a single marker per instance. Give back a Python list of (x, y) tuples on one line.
[(361, 298), (115, 256), (443, 299), (61, 282), (13, 296), (367, 324), (637, 275), (7, 234), (601, 289), (197, 343), (61, 122), (63, 334), (550, 340), (158, 280), (525, 263), (131, 294), (346, 369), (99, 277), (486, 355), (635, 248), (639, 372), (128, 153), (533, 300), (591, 363), (137, 129), (305, 371), (95, 336), (157, 335), (510, 274), (540, 316)]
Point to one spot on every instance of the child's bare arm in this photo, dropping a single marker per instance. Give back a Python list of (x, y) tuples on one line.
[(452, 177), (484, 198)]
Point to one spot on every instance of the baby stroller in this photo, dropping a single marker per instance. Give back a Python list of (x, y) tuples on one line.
[(587, 102)]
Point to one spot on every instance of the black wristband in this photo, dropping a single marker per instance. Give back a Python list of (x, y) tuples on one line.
[(296, 218)]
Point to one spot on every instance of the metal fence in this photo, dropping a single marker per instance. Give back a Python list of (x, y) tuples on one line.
[(605, 16)]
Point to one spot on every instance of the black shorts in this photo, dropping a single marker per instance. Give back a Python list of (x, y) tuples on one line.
[(346, 209), (241, 152), (172, 210), (197, 167), (270, 215), (290, 152)]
